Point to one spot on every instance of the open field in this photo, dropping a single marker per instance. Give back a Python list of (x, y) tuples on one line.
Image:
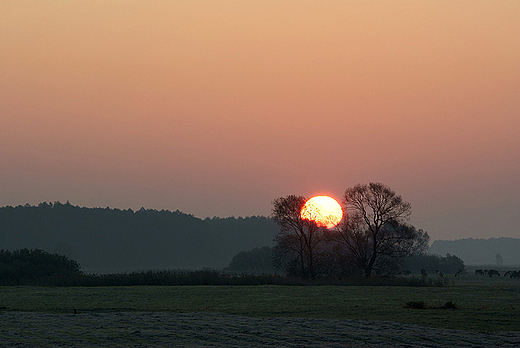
[(487, 310)]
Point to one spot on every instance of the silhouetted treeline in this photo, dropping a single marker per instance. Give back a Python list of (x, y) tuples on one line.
[(108, 240), (39, 268), (210, 277), (480, 251)]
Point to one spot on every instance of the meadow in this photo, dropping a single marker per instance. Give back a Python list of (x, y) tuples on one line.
[(482, 304)]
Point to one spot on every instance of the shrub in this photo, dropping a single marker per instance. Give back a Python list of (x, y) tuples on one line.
[(449, 305), (35, 266), (416, 305), (258, 260)]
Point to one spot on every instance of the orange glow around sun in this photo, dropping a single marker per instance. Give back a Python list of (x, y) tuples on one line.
[(323, 210)]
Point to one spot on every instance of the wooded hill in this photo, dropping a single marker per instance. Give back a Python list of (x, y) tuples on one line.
[(114, 240)]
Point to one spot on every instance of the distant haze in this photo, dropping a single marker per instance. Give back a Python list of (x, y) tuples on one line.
[(480, 251), (215, 108)]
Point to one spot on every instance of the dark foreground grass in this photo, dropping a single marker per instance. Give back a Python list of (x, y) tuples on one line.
[(488, 306)]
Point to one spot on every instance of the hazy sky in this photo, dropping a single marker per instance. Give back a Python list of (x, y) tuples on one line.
[(216, 108)]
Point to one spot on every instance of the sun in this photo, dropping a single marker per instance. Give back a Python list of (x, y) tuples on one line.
[(323, 210)]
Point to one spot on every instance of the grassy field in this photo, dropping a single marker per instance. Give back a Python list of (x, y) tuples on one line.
[(483, 304)]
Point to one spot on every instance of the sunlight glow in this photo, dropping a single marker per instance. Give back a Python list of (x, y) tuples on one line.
[(323, 210)]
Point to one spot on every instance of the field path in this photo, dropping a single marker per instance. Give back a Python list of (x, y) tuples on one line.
[(146, 329)]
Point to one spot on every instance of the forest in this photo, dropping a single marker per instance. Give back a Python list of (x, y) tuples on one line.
[(112, 240)]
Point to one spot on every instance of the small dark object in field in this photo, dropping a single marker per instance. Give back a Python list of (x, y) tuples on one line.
[(75, 311), (449, 305), (423, 305), (416, 305)]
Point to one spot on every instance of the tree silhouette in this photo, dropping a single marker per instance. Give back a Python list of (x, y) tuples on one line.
[(374, 230), (298, 239)]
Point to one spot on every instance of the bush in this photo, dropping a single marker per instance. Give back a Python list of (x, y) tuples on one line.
[(416, 305), (258, 260), (35, 266), (449, 305)]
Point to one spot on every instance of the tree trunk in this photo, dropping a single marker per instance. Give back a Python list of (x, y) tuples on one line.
[(368, 269), (311, 267), (302, 261)]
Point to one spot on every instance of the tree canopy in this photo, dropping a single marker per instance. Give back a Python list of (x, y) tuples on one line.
[(374, 235), (375, 230)]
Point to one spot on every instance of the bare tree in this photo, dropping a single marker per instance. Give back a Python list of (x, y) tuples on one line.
[(374, 230), (298, 238)]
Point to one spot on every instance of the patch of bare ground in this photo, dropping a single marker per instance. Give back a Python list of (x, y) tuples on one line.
[(146, 329)]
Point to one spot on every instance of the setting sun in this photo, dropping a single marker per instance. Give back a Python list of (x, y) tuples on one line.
[(323, 210)]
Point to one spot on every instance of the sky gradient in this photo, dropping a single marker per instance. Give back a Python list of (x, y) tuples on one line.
[(216, 108)]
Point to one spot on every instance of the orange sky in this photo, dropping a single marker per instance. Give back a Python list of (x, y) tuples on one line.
[(219, 107)]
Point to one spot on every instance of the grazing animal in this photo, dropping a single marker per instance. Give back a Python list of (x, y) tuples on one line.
[(512, 274), (479, 272), (493, 272)]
